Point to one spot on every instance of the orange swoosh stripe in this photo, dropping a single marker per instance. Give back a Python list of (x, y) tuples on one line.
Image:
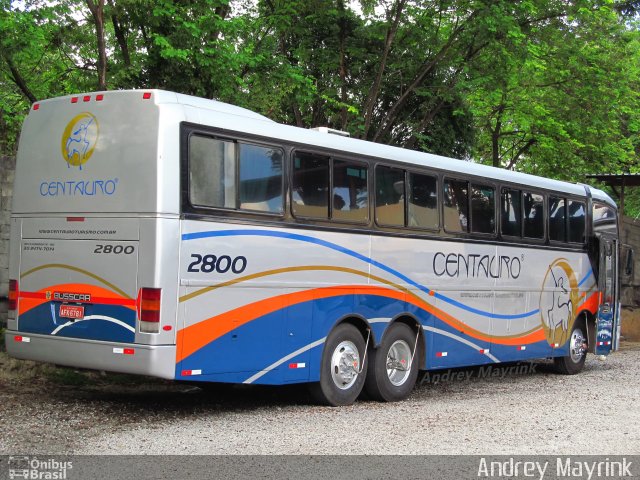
[(591, 304), (195, 337)]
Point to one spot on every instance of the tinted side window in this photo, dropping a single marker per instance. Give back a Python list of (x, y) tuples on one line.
[(483, 210), (456, 206), (423, 201), (577, 222), (389, 196), (260, 178), (533, 215), (557, 216), (310, 189), (212, 172), (511, 212), (604, 218), (350, 194)]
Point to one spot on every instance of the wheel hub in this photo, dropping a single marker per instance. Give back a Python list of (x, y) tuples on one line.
[(577, 345), (345, 365), (399, 362)]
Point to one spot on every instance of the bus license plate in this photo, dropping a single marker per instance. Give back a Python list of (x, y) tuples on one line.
[(71, 311)]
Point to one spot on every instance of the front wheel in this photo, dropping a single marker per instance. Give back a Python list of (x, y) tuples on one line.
[(574, 362), (343, 367), (393, 370)]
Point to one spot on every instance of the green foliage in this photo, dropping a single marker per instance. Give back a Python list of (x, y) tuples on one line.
[(548, 87)]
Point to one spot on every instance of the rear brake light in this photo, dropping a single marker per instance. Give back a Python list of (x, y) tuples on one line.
[(150, 310), (74, 99), (13, 295), (99, 97), (146, 95), (36, 106)]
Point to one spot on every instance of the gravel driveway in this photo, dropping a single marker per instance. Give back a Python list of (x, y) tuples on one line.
[(530, 412)]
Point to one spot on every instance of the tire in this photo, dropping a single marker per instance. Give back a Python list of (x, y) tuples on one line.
[(388, 377), (342, 373), (574, 362)]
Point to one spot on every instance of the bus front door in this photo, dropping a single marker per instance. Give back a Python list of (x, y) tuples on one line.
[(607, 326)]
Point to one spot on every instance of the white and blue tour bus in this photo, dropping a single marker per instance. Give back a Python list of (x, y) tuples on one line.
[(161, 234)]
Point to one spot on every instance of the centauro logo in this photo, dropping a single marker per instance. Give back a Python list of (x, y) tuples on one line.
[(79, 139), (558, 301)]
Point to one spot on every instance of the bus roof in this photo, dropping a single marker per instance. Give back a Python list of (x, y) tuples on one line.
[(249, 122)]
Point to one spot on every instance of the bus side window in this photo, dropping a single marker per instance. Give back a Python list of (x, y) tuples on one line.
[(557, 219), (389, 196), (423, 201), (212, 172), (533, 210), (511, 212), (260, 178), (483, 209), (577, 222), (350, 194), (456, 206), (310, 189)]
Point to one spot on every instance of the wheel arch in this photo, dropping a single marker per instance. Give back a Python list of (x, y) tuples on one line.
[(588, 319)]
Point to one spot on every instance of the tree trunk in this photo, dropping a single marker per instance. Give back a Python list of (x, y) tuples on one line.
[(97, 11)]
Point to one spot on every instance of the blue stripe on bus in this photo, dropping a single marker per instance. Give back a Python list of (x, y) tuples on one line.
[(338, 248), (586, 277)]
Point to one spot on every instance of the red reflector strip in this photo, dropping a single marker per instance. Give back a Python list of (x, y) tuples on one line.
[(99, 97), (75, 219), (86, 98), (522, 347), (603, 343), (20, 338), (297, 365), (13, 294), (441, 354), (36, 106), (124, 351), (74, 99), (167, 328), (146, 95), (484, 351), (556, 345), (189, 373)]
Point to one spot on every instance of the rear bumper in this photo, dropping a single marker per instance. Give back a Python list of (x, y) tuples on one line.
[(154, 360)]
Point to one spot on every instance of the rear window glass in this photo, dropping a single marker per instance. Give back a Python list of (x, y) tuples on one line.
[(234, 175)]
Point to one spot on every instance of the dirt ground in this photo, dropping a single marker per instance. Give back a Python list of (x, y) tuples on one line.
[(631, 324)]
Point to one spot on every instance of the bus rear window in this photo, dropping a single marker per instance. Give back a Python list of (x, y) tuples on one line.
[(212, 172), (234, 175)]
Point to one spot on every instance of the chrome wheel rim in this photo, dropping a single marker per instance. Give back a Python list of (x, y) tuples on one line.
[(576, 346), (345, 365), (398, 362)]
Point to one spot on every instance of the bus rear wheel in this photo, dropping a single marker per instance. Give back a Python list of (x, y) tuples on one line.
[(393, 370), (343, 367), (574, 362)]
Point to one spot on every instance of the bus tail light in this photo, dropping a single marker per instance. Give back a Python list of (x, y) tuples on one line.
[(13, 295), (150, 310)]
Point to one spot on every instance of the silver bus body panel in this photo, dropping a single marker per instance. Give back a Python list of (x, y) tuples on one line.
[(153, 360)]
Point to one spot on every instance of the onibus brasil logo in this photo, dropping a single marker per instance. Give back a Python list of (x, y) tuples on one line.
[(558, 301), (79, 139)]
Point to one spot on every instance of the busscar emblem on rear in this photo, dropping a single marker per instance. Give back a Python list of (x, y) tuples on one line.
[(79, 139)]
